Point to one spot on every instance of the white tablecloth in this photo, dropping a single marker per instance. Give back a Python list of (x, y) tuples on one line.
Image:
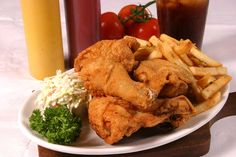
[(16, 83)]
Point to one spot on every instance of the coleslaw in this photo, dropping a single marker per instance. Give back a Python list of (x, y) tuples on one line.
[(63, 89)]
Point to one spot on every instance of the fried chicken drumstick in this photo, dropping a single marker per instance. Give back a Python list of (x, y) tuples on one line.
[(105, 74)]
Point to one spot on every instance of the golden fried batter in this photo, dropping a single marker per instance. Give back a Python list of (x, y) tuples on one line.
[(165, 78), (113, 118), (115, 50)]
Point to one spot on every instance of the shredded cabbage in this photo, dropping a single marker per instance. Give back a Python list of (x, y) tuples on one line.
[(63, 89)]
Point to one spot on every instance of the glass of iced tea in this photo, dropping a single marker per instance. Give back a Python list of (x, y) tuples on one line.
[(183, 19)]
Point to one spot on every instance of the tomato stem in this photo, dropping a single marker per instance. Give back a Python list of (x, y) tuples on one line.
[(149, 3), (138, 13)]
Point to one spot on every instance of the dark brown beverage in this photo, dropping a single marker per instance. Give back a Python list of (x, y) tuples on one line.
[(83, 25), (183, 19)]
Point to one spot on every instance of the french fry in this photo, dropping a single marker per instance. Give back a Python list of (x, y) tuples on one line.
[(143, 43), (215, 86), (186, 59), (205, 81), (155, 54), (142, 53), (197, 62), (197, 90), (170, 55), (155, 41), (204, 58), (171, 41), (202, 71), (183, 47), (207, 104)]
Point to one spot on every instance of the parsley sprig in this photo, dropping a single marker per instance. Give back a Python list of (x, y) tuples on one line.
[(57, 124)]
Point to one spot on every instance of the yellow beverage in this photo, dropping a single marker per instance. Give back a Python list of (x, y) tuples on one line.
[(43, 37)]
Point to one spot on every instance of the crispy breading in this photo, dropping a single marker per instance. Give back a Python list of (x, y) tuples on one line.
[(113, 118), (116, 50), (165, 78)]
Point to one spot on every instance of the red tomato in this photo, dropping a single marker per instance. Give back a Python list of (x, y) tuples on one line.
[(111, 27), (146, 29), (125, 13)]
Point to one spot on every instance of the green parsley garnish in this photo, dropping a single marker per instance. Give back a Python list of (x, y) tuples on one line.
[(57, 124)]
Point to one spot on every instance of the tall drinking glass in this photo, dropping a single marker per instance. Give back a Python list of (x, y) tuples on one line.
[(183, 19), (83, 25)]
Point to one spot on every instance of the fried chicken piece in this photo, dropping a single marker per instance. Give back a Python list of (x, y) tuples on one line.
[(113, 118), (115, 50), (165, 78), (179, 109), (106, 77)]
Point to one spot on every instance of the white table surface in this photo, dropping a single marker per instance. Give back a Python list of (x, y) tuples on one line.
[(16, 83)]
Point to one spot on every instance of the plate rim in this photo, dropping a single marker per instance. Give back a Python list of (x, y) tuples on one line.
[(112, 150)]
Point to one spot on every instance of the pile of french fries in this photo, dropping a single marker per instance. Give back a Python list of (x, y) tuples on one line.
[(210, 75)]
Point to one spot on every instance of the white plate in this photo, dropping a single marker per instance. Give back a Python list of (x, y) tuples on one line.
[(90, 144)]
